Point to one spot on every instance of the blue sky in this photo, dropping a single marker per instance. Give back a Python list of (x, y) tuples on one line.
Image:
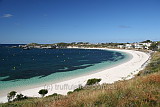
[(52, 21)]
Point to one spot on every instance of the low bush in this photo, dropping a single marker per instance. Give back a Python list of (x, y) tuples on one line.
[(93, 81), (43, 92)]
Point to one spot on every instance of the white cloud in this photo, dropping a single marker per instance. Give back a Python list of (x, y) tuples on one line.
[(7, 15)]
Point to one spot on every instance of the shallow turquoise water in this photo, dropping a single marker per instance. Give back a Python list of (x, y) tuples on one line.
[(83, 68)]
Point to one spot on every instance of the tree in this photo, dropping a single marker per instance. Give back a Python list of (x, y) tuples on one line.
[(153, 47), (43, 92), (20, 97), (93, 81), (147, 41), (11, 95)]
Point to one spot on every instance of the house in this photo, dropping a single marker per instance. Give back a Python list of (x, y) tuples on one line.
[(142, 45), (138, 46), (128, 46), (146, 45), (121, 46), (37, 46)]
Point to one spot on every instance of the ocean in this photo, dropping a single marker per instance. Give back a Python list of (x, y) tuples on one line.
[(24, 68)]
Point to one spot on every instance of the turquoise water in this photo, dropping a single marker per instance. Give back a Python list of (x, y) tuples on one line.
[(94, 61)]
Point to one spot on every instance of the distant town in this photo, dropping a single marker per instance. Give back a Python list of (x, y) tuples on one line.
[(147, 45)]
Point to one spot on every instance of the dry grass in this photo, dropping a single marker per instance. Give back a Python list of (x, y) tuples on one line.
[(153, 66), (133, 93)]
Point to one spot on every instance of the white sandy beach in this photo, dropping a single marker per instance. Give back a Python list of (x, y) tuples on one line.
[(110, 75)]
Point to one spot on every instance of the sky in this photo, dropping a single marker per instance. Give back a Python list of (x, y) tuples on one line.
[(94, 21)]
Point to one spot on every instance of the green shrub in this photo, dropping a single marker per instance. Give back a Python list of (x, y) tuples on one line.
[(43, 92), (55, 94), (20, 97), (93, 81), (11, 95), (78, 89), (69, 92)]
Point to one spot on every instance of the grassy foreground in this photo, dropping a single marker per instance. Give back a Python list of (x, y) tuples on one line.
[(141, 91)]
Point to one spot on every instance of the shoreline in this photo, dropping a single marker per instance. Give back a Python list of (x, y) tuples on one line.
[(108, 75), (82, 72)]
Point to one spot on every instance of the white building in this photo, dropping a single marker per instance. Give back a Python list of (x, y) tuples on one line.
[(146, 45), (128, 46), (48, 47), (120, 46), (138, 46), (142, 45)]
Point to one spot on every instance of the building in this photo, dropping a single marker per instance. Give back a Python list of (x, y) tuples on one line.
[(128, 46), (146, 45), (142, 45), (37, 46), (121, 46), (138, 46)]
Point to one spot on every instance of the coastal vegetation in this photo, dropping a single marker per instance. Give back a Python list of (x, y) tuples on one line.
[(153, 66), (144, 45), (93, 81), (11, 95), (154, 46), (43, 92), (54, 95), (20, 97), (141, 91)]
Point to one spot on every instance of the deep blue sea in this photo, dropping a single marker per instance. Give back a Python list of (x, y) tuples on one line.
[(20, 68)]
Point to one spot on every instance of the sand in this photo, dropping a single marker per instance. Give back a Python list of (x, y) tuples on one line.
[(125, 70)]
